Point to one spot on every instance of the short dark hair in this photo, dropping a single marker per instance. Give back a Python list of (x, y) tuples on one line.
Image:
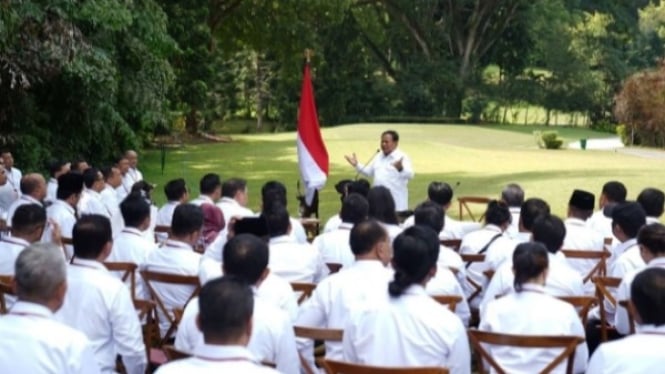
[(90, 235), (630, 216), (531, 209), (382, 205), (440, 193), (27, 218), (135, 209), (277, 220), (429, 214), (529, 261), (76, 164), (354, 208), (90, 176), (226, 306), (28, 185), (549, 230), (497, 213), (653, 201), (647, 293), (116, 160), (209, 183), (273, 192), (415, 253), (175, 189), (69, 184), (652, 238), (107, 172), (230, 187), (187, 218), (365, 235), (513, 195), (614, 191), (360, 186), (245, 256), (55, 166), (393, 134)]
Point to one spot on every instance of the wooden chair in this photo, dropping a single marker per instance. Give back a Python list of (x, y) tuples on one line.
[(147, 313), (151, 277), (67, 241), (453, 244), (631, 318), (305, 288), (581, 303), (174, 354), (128, 270), (479, 338), (478, 288), (450, 301), (603, 285), (599, 270), (161, 229), (338, 367), (464, 202), (333, 267), (327, 335), (607, 243), (5, 289)]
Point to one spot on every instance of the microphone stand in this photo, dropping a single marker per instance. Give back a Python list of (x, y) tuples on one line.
[(366, 164)]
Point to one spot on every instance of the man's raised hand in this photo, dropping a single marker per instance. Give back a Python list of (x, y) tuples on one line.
[(353, 160)]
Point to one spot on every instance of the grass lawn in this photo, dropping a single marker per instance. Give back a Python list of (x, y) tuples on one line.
[(481, 158)]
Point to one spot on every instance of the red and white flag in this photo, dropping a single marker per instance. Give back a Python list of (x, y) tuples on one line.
[(312, 152)]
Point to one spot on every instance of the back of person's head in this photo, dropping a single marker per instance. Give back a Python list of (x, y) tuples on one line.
[(440, 193), (614, 192), (226, 306), (360, 186), (581, 204), (30, 184), (382, 205), (209, 183), (273, 192), (187, 219), (529, 261), (429, 214), (342, 188), (39, 271), (90, 176), (630, 217), (55, 166), (90, 235), (277, 220), (354, 208), (143, 188), (28, 218), (245, 256), (232, 186), (550, 231), (652, 239), (531, 209), (497, 213), (135, 209), (365, 235), (175, 189), (69, 184), (653, 201), (513, 195), (79, 165), (647, 294), (415, 252)]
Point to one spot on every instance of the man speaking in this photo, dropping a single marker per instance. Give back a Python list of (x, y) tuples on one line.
[(391, 169)]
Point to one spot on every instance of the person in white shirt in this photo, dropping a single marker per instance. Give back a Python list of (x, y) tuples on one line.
[(531, 209), (98, 304), (272, 339), (33, 191), (334, 246), (382, 209), (293, 261), (513, 195), (176, 193), (63, 210), (79, 165), (226, 310), (391, 169), (652, 201), (235, 198), (91, 200), (531, 311), (177, 256), (133, 174), (210, 188), (109, 196), (409, 328), (6, 197), (643, 351), (562, 280), (613, 192), (56, 168), (32, 340), (14, 175), (274, 192), (345, 188), (124, 188), (362, 282)]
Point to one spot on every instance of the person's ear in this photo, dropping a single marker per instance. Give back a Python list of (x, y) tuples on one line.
[(633, 312), (198, 321)]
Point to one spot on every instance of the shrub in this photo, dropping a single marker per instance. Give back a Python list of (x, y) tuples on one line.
[(551, 140)]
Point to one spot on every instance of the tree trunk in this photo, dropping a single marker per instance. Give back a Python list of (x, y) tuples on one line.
[(526, 115), (192, 122), (547, 116), (258, 82)]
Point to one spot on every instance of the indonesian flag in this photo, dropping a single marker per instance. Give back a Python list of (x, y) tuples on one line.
[(312, 153)]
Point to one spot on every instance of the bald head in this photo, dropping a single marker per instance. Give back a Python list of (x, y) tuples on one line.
[(34, 185), (132, 157)]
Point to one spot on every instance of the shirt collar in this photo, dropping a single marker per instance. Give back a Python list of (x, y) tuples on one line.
[(574, 221), (177, 244), (650, 329), (514, 209), (657, 262), (132, 231), (91, 191), (368, 265), (281, 239), (222, 352), (65, 205), (532, 287), (31, 199), (205, 199), (53, 180), (623, 247), (495, 228), (415, 290), (229, 200), (345, 226), (16, 241), (25, 307), (88, 263)]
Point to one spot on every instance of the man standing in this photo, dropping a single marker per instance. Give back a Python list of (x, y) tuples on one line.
[(391, 169)]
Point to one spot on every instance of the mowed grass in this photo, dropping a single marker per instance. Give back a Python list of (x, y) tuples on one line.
[(481, 158)]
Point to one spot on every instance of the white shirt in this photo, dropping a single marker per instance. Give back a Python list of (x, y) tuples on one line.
[(131, 246), (63, 214), (451, 260), (109, 197), (33, 342), (100, 306), (165, 213), (452, 228), (332, 223), (295, 262), (231, 208), (272, 339), (410, 330), (122, 190), (514, 228), (51, 190), (580, 237), (392, 230), (215, 359), (334, 245), (601, 224), (7, 196), (532, 312), (10, 248), (91, 203), (639, 353), (385, 174), (621, 321), (336, 297), (626, 261), (445, 283), (132, 176), (14, 179), (23, 200)]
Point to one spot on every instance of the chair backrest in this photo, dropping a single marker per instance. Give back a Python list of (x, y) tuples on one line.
[(603, 285), (5, 289), (479, 339), (67, 241), (581, 303), (453, 244), (477, 288), (128, 270), (305, 288), (599, 270), (464, 202), (173, 354), (161, 229), (631, 317), (338, 367), (450, 301), (333, 267), (327, 335)]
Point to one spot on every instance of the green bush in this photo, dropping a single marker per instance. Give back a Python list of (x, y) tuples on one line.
[(551, 140)]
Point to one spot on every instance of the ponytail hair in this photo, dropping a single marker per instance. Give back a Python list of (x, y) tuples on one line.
[(529, 261), (415, 252)]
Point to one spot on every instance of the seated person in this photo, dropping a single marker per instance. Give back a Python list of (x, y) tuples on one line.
[(382, 209)]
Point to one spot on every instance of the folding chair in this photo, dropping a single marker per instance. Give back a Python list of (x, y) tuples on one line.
[(174, 354), (581, 303), (603, 285), (5, 289), (464, 202), (333, 267), (478, 288), (568, 343), (453, 244), (631, 318), (599, 270), (338, 367), (329, 335), (305, 288), (150, 277), (128, 272), (450, 301), (146, 310), (161, 229)]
